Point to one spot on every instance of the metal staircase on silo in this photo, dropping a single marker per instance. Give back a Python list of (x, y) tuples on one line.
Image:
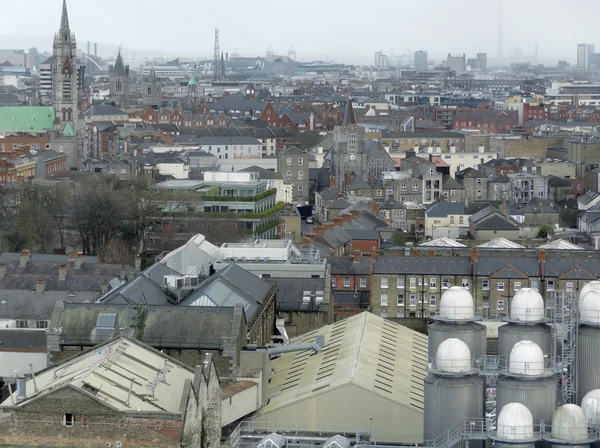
[(562, 308), (469, 429)]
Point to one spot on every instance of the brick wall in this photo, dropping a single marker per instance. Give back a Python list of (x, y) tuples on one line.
[(298, 323)]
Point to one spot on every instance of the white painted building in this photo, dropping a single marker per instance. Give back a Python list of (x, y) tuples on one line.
[(232, 147)]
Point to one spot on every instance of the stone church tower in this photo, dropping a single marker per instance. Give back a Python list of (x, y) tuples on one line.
[(349, 157), (64, 73), (64, 90), (118, 78), (152, 90)]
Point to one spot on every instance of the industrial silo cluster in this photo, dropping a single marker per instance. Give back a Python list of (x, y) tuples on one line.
[(528, 375)]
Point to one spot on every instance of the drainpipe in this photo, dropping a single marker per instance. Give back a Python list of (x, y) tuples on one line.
[(316, 347)]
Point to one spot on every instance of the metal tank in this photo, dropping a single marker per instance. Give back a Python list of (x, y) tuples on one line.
[(511, 333), (588, 360), (528, 380), (569, 428), (456, 319), (453, 391), (515, 428), (473, 334)]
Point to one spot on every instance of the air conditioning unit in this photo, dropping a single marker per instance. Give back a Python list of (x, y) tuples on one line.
[(305, 299)]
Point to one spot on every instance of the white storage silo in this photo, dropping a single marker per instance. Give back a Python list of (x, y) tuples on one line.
[(515, 428), (588, 344), (591, 406), (453, 390), (569, 427), (526, 322), (528, 380), (456, 319)]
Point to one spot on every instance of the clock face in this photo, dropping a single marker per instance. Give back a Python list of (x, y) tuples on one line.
[(352, 156)]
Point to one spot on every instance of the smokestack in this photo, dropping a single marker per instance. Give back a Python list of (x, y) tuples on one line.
[(40, 286), (96, 50), (88, 47)]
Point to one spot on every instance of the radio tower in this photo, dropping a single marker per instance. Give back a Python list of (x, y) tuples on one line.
[(216, 68)]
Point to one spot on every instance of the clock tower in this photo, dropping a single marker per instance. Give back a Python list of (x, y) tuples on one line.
[(349, 159)]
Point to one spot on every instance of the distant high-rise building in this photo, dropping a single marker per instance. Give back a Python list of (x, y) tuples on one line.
[(381, 60), (584, 51), (457, 64), (482, 60), (420, 61)]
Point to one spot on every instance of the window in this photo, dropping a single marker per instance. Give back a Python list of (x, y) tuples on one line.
[(300, 161), (500, 286), (540, 194), (452, 193), (413, 282), (333, 281), (550, 285), (569, 286), (432, 300), (445, 283), (413, 299), (379, 193), (68, 420), (415, 187), (288, 175), (384, 300), (288, 161), (384, 282), (42, 324), (517, 286), (500, 305), (403, 187), (300, 175), (363, 282), (400, 282), (300, 189), (465, 282), (21, 324), (432, 283), (400, 300), (346, 282), (485, 285), (535, 284), (383, 314)]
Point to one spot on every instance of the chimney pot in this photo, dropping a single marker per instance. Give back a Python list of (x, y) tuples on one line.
[(138, 262), (40, 286), (62, 272), (25, 255)]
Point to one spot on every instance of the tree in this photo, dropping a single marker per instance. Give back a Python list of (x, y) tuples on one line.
[(544, 232), (57, 202), (399, 238)]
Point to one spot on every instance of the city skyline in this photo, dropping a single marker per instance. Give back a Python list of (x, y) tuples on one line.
[(144, 30)]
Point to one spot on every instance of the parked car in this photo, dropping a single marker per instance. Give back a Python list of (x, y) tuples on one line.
[(310, 220)]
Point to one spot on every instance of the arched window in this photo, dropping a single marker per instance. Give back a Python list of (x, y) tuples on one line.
[(70, 114), (67, 72), (149, 90), (64, 114), (119, 86)]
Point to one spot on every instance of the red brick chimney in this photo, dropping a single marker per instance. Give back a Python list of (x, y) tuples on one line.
[(373, 254), (432, 251), (347, 179), (338, 221), (346, 217), (305, 242), (371, 180), (319, 230), (355, 213), (328, 226), (311, 235), (415, 252), (542, 260), (332, 181), (356, 256), (431, 157), (375, 206)]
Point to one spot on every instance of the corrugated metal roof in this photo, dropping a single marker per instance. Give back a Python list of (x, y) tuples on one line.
[(366, 350), (500, 243)]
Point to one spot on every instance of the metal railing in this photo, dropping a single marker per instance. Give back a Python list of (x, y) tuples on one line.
[(469, 429), (157, 342), (451, 366)]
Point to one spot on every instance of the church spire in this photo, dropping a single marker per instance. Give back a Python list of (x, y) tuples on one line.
[(64, 21), (349, 118)]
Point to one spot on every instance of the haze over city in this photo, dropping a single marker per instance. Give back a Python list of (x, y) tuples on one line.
[(346, 31)]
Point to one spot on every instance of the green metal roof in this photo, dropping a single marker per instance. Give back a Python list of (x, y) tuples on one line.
[(68, 131), (26, 119)]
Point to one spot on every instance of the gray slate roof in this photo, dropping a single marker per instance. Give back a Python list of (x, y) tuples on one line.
[(29, 340), (347, 266), (423, 265), (443, 209)]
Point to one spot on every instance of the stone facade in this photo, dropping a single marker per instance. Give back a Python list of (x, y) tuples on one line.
[(293, 165), (119, 82), (151, 90), (349, 157)]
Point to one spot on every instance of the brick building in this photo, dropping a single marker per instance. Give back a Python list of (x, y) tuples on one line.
[(486, 121)]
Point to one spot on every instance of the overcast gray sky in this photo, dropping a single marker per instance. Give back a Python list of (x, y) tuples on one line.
[(347, 31)]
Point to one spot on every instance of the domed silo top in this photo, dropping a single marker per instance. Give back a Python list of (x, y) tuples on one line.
[(569, 423), (453, 356), (457, 304), (515, 422), (526, 358), (589, 308), (527, 305), (591, 406), (594, 285)]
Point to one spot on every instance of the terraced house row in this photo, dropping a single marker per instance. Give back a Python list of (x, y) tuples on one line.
[(410, 283)]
